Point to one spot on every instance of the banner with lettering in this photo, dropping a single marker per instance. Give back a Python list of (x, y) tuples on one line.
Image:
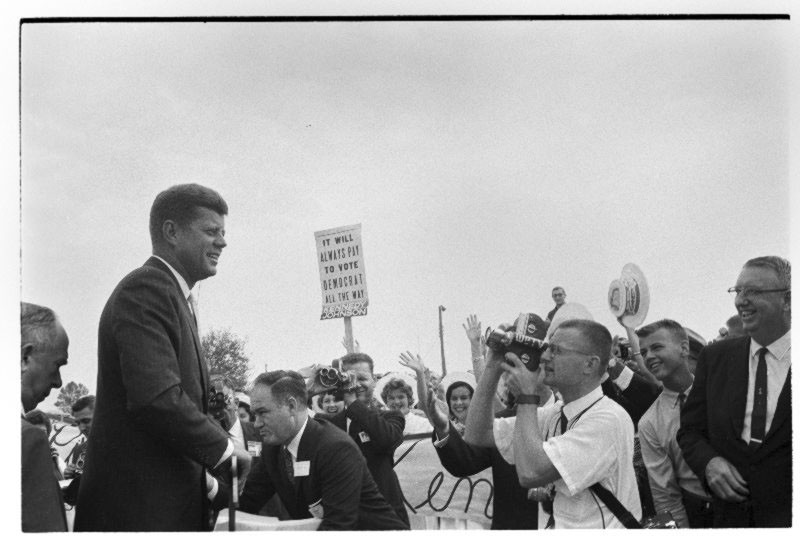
[(341, 272), (429, 490)]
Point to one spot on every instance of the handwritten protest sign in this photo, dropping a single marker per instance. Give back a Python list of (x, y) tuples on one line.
[(429, 490), (341, 272)]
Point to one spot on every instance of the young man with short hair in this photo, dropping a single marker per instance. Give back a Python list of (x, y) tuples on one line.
[(666, 351)]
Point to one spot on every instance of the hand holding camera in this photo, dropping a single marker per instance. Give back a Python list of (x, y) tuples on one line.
[(326, 379)]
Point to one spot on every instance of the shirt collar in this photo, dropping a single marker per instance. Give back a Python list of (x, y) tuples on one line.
[(778, 348), (672, 396), (181, 281), (294, 444), (580, 404)]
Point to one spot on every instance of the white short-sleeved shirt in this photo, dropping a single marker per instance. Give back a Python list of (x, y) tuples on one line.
[(597, 447)]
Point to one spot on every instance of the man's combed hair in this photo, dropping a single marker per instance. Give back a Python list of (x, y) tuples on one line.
[(356, 357), (672, 326), (284, 384), (558, 288), (37, 324), (397, 384), (180, 203), (83, 402), (780, 265), (596, 335)]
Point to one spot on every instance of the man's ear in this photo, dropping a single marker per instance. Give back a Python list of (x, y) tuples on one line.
[(169, 232), (685, 349), (25, 353), (592, 364)]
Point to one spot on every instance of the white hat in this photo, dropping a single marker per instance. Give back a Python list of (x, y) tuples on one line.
[(568, 311), (458, 376), (243, 398), (408, 379), (629, 296)]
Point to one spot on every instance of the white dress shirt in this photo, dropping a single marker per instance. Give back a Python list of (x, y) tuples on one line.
[(779, 360)]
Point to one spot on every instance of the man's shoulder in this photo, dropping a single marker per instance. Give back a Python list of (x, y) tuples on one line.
[(649, 418), (325, 433), (726, 347), (32, 437)]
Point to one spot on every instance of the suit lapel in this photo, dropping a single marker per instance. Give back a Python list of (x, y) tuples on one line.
[(284, 488), (738, 373), (187, 316)]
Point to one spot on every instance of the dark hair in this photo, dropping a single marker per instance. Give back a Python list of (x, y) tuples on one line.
[(453, 386), (672, 326), (284, 384), (321, 397), (83, 402), (595, 335), (37, 324), (37, 417), (356, 357), (781, 266), (558, 288), (397, 384), (180, 203)]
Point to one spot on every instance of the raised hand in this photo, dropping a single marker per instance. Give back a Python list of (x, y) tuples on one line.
[(473, 329), (437, 413), (413, 362)]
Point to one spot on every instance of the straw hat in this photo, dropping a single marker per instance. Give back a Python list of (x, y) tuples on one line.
[(629, 296)]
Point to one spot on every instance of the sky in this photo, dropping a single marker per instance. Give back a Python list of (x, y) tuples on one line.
[(487, 162)]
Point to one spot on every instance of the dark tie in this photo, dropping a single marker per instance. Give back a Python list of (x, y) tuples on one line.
[(681, 400), (563, 422), (758, 421), (288, 466)]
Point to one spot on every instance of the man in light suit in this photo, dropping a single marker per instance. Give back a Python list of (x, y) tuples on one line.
[(44, 345), (152, 438), (736, 426), (315, 468)]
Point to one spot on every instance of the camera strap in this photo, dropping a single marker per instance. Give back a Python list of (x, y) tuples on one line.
[(615, 506)]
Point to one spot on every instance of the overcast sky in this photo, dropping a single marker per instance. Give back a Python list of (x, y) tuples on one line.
[(486, 162)]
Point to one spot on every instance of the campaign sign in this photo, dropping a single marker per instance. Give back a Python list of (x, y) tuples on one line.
[(341, 272), (429, 490)]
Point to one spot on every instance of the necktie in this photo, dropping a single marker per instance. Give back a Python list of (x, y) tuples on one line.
[(288, 466), (758, 421), (193, 308), (681, 400), (563, 422)]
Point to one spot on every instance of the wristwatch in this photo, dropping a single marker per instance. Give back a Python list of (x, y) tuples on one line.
[(528, 399)]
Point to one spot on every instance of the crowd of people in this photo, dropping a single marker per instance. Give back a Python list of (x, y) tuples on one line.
[(582, 430)]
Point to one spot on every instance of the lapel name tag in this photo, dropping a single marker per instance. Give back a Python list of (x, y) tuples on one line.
[(363, 436), (302, 468)]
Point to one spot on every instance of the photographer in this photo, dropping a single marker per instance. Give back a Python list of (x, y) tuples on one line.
[(563, 449), (376, 432)]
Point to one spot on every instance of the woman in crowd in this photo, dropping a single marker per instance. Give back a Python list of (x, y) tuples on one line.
[(397, 394), (327, 404)]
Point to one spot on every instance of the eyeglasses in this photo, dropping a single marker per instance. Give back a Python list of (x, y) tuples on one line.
[(747, 293), (557, 350)]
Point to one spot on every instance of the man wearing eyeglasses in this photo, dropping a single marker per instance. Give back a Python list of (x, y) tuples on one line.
[(736, 426), (565, 448)]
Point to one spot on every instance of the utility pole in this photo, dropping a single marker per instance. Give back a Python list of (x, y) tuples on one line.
[(441, 338)]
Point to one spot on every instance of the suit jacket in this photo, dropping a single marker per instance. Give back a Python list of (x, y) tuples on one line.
[(42, 506), (384, 433), (151, 435), (635, 399), (512, 509), (338, 479), (711, 425)]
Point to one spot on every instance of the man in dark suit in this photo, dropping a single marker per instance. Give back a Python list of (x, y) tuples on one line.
[(315, 468), (44, 344), (512, 509), (377, 432), (152, 438), (736, 426)]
